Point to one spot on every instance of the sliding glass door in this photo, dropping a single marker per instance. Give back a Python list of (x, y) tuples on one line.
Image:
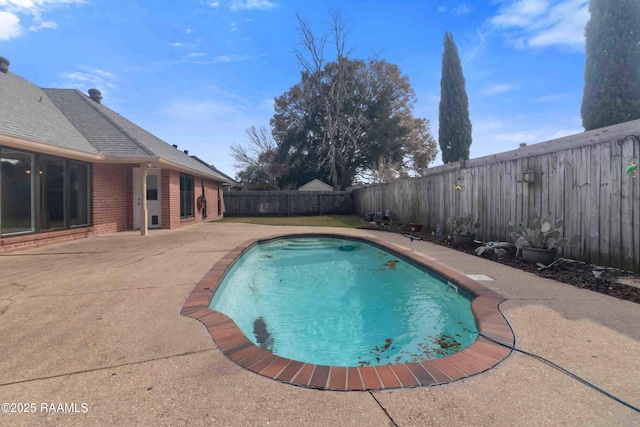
[(42, 193)]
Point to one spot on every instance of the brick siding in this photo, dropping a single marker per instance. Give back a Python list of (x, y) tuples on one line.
[(112, 207), (112, 198)]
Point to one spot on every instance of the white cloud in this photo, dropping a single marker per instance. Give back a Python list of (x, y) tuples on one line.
[(231, 58), (442, 9), (543, 23), (461, 9), (101, 73), (13, 13), (521, 13), (214, 4), (51, 25), (196, 54), (188, 31), (498, 88), (253, 4), (86, 78), (234, 26), (176, 44), (9, 26)]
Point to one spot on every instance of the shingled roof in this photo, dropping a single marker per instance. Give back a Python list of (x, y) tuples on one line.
[(26, 112), (116, 136), (66, 119)]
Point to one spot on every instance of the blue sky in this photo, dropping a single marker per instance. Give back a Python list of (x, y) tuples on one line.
[(198, 73)]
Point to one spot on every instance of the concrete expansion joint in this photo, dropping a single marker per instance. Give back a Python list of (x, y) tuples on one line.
[(104, 368), (107, 291), (391, 421)]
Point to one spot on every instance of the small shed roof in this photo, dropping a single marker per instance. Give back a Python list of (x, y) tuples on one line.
[(315, 185)]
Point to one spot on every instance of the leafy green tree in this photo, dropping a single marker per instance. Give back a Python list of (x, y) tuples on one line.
[(612, 66), (454, 133)]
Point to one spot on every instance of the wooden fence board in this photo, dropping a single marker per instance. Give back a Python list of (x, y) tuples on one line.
[(585, 207), (594, 205), (605, 204), (286, 203), (626, 207), (580, 180), (636, 203), (615, 215)]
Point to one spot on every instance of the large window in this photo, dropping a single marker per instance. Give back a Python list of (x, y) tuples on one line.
[(42, 193), (79, 192), (17, 192), (186, 195), (51, 177)]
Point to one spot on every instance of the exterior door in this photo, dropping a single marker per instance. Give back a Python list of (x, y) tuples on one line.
[(154, 198)]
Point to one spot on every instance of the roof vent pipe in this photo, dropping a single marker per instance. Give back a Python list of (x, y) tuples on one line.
[(4, 64), (95, 95), (186, 152), (175, 146)]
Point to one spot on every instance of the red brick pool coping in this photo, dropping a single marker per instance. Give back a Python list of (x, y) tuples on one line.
[(480, 356)]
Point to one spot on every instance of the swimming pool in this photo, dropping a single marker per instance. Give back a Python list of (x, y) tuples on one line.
[(341, 303), (479, 356)]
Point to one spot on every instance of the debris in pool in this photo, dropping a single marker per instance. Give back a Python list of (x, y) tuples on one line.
[(264, 338), (346, 248), (392, 263), (377, 351), (446, 341)]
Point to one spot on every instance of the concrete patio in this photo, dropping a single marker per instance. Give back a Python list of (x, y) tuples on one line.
[(97, 322)]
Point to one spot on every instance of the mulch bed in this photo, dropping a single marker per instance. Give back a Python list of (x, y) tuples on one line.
[(575, 273)]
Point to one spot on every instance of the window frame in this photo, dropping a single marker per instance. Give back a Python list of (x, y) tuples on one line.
[(187, 208), (36, 193)]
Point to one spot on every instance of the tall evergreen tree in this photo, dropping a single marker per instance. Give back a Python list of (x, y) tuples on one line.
[(454, 133), (612, 67)]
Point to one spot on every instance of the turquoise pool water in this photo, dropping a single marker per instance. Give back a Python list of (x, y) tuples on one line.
[(309, 299)]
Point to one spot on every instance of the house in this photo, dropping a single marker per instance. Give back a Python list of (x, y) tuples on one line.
[(72, 168), (315, 185), (231, 185)]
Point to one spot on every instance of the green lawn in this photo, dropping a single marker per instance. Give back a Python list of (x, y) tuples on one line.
[(349, 221)]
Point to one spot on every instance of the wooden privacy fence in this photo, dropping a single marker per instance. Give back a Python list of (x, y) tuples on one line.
[(580, 179), (287, 203)]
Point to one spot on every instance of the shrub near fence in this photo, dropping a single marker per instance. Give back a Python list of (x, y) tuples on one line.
[(287, 203), (580, 179)]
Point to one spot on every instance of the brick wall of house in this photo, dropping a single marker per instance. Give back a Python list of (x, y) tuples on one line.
[(30, 241), (112, 206), (170, 199), (213, 192), (111, 198)]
